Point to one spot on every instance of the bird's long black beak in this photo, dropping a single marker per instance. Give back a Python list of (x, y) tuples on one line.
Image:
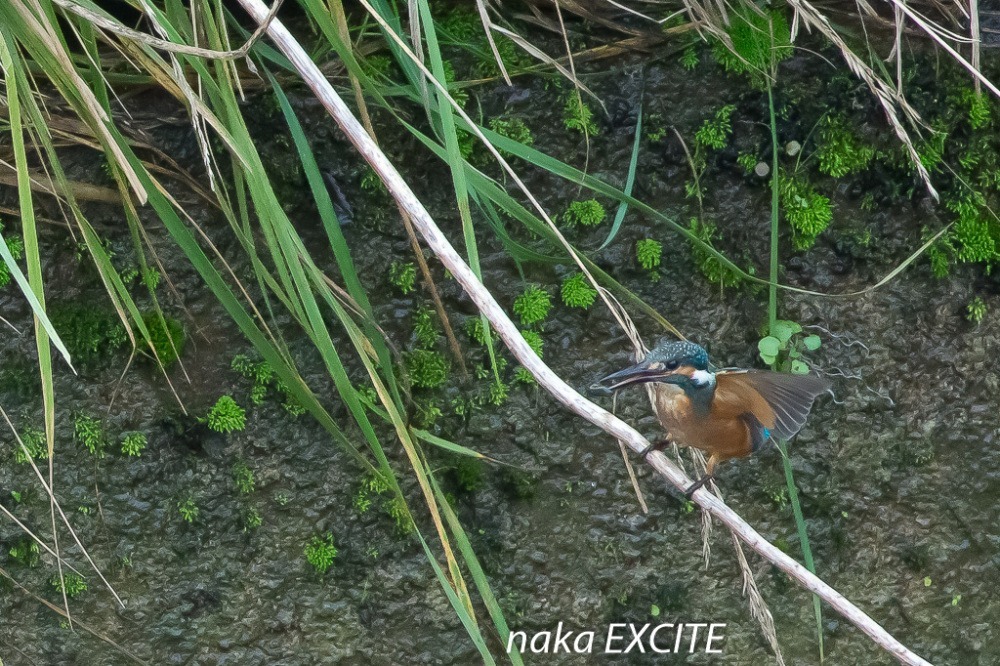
[(640, 373)]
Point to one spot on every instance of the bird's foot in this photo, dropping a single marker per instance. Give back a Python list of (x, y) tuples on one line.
[(658, 445), (696, 485)]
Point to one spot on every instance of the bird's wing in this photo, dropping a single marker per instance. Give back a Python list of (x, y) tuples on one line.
[(780, 401)]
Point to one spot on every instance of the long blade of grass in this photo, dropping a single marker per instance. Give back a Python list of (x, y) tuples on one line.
[(803, 532), (35, 285), (772, 315), (562, 170), (478, 575), (629, 182), (14, 77), (448, 445), (331, 224), (418, 467), (456, 163), (772, 293), (457, 605), (558, 168), (431, 438)]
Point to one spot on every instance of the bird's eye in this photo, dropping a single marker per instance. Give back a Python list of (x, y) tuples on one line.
[(672, 365)]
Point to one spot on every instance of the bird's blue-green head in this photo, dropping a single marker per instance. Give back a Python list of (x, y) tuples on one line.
[(670, 362)]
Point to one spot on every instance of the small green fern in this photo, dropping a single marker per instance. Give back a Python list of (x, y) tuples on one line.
[(577, 292), (976, 310), (807, 211), (424, 327), (514, 129), (648, 253), (976, 240), (426, 368), (758, 40), (715, 131), (589, 213), (532, 306), (578, 117), (226, 416), (840, 151), (403, 276)]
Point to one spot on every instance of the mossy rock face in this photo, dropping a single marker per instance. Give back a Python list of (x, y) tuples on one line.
[(161, 333), (90, 334)]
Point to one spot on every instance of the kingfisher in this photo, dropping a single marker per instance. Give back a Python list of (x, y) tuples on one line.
[(728, 413)]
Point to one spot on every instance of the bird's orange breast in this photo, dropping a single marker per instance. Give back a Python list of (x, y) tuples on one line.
[(721, 430)]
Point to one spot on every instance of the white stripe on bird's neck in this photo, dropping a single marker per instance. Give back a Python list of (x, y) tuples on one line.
[(703, 378)]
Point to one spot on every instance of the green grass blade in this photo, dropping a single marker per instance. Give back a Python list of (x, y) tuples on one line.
[(456, 604), (574, 175), (772, 289), (331, 224), (629, 182), (448, 445), (457, 164), (34, 289), (418, 466), (772, 316), (31, 287), (800, 526), (490, 189), (478, 575)]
